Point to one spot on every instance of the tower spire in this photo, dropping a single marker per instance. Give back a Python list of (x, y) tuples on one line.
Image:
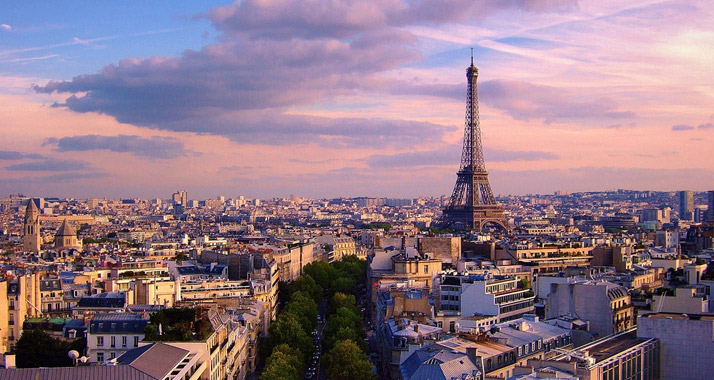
[(472, 203), (472, 56)]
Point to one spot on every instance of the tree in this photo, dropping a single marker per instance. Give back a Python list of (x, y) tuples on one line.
[(344, 318), (305, 310), (344, 285), (347, 361), (322, 272), (37, 349), (176, 325), (339, 300), (294, 355), (524, 283), (344, 333), (279, 367), (287, 329), (307, 284)]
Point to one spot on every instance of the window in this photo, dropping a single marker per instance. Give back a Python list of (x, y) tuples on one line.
[(426, 269), (123, 342), (100, 357), (113, 355), (136, 341), (114, 341), (100, 341)]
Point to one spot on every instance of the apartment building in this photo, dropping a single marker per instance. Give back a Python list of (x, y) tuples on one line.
[(606, 306), (468, 295), (112, 334)]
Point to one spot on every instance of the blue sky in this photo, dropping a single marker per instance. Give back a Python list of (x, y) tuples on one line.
[(77, 37), (269, 98)]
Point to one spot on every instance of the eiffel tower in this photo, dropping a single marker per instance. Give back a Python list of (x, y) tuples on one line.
[(472, 203)]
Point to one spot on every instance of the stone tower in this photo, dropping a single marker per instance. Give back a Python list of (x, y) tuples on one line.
[(31, 230)]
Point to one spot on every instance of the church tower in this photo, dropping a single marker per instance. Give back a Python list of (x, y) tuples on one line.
[(66, 237), (31, 231)]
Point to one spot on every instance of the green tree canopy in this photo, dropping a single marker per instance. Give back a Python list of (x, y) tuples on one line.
[(280, 366), (287, 329), (305, 310), (295, 357), (37, 349), (343, 318), (347, 361), (322, 272), (339, 300), (307, 284), (176, 325)]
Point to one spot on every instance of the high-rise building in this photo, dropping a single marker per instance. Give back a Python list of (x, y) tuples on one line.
[(180, 198), (31, 229), (472, 203), (686, 205), (710, 204)]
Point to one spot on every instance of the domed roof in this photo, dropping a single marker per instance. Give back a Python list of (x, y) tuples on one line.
[(66, 229)]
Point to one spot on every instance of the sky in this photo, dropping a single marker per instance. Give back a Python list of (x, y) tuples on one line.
[(329, 98)]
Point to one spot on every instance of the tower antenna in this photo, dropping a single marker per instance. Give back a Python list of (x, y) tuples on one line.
[(472, 56)]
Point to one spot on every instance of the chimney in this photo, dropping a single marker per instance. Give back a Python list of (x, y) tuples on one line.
[(416, 327), (472, 353)]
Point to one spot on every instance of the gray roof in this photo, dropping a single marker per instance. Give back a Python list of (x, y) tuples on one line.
[(66, 229), (521, 331), (118, 323), (118, 372), (157, 360), (437, 364)]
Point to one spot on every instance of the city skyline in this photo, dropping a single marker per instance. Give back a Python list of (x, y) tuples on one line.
[(339, 99)]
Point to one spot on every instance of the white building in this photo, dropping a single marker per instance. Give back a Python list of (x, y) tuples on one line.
[(112, 334), (485, 295), (686, 343)]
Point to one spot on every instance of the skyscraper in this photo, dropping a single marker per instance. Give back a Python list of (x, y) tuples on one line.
[(472, 203), (710, 204), (686, 205), (180, 198)]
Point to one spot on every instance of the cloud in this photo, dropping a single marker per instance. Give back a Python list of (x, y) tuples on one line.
[(273, 56), (597, 179), (153, 147), (311, 19), (682, 127), (311, 162), (50, 165), (5, 27), (525, 101), (12, 155), (706, 126), (451, 156)]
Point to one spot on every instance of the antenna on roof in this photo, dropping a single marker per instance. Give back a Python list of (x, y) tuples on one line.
[(472, 56)]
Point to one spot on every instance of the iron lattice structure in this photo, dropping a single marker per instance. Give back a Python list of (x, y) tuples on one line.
[(472, 203)]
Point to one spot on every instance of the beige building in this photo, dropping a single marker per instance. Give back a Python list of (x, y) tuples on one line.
[(66, 237), (546, 259), (689, 300), (686, 343), (606, 306), (337, 247), (23, 301), (624, 355), (31, 230)]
